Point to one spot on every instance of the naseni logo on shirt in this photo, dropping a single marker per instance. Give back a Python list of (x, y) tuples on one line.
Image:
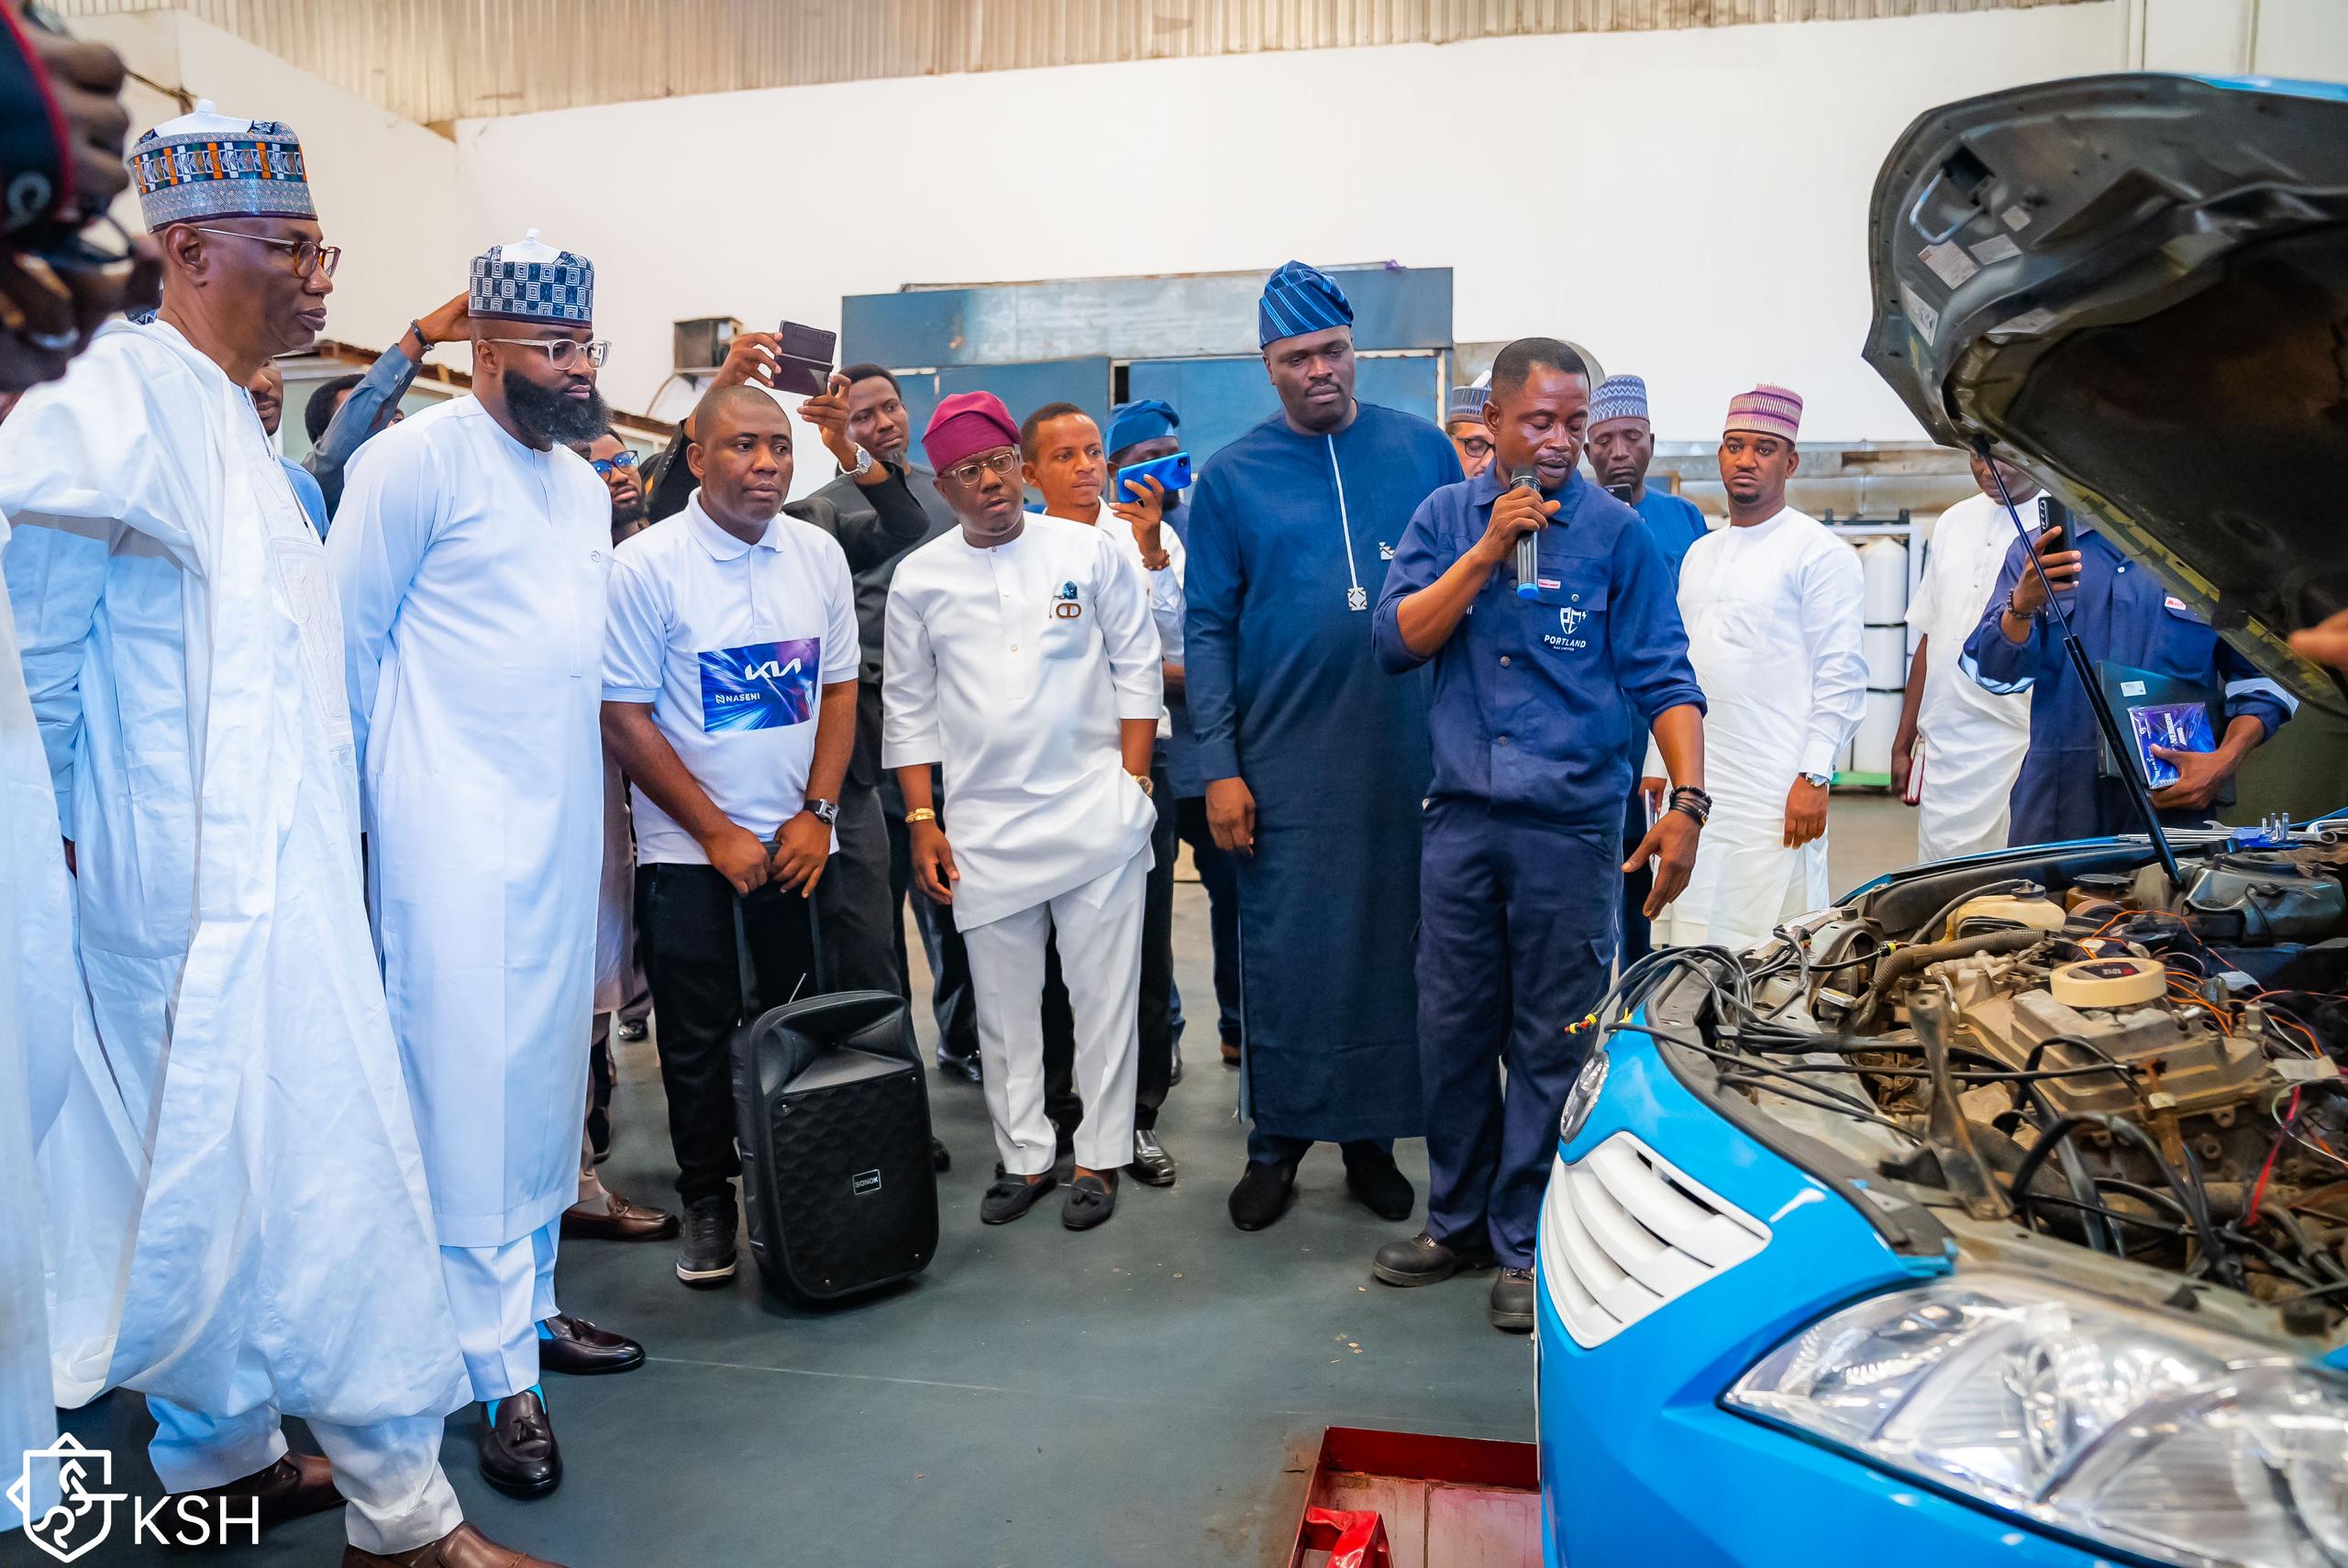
[(1065, 607)]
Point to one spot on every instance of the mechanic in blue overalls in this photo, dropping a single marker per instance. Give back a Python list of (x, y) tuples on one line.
[(1541, 707), (2125, 615)]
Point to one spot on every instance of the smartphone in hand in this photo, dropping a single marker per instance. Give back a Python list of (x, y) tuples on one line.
[(803, 361)]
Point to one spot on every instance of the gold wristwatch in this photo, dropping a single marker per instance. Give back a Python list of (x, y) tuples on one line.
[(919, 814), (1143, 779)]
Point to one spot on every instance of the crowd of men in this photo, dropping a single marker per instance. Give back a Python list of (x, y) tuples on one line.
[(1445, 720)]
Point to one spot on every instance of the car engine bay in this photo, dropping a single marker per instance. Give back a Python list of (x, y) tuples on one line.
[(2073, 1045)]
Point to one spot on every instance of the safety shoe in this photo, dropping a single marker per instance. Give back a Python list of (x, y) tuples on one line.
[(1511, 1308), (1423, 1260), (706, 1258)]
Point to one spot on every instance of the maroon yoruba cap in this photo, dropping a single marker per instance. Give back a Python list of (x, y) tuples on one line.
[(966, 423)]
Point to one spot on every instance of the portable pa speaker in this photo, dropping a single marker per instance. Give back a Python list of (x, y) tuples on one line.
[(832, 1112)]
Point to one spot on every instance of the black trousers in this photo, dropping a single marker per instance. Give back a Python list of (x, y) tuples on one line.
[(1154, 1072), (859, 951), (949, 967), (692, 963)]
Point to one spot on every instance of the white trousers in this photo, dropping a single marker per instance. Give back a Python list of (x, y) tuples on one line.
[(1098, 927), (499, 1296), (390, 1472)]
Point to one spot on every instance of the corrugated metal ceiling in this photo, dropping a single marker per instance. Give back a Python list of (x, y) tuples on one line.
[(438, 60)]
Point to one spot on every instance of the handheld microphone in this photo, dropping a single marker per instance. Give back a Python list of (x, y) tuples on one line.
[(1528, 545)]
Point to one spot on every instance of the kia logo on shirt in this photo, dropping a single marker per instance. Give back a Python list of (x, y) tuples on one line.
[(762, 685)]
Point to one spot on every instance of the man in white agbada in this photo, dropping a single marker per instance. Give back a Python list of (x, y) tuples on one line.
[(1972, 738), (181, 642), (1020, 655), (1773, 611), (470, 550)]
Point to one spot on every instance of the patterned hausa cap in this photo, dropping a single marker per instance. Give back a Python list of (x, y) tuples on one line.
[(534, 282), (1766, 411), (210, 165)]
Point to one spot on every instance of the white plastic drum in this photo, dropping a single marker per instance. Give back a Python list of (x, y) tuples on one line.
[(1871, 749), (1886, 648), (1884, 563)]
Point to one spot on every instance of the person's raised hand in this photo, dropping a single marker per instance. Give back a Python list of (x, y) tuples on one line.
[(827, 412), (447, 323), (1518, 512), (749, 363), (1145, 515), (2062, 569)]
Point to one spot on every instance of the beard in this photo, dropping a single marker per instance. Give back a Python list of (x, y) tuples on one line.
[(627, 519), (550, 417)]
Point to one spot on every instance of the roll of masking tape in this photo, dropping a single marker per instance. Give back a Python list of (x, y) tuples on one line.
[(2123, 981)]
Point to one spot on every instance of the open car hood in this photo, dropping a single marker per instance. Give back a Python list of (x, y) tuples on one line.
[(2136, 287)]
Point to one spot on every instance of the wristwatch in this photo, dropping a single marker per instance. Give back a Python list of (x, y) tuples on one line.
[(1823, 780), (863, 464), (826, 812), (1143, 779)]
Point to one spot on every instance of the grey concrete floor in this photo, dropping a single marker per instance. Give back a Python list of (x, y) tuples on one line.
[(1147, 1392)]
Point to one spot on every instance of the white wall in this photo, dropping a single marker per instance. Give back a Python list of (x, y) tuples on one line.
[(1691, 204)]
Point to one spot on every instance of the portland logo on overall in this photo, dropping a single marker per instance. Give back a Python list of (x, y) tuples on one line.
[(1569, 621), (1065, 607)]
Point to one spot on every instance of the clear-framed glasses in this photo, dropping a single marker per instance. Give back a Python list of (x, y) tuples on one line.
[(309, 256), (1005, 462), (564, 352), (603, 466)]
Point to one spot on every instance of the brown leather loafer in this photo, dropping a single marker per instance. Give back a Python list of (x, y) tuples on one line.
[(579, 1349), (616, 1220), (297, 1485), (518, 1453), (463, 1546)]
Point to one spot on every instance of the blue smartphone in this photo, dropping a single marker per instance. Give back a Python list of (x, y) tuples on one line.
[(1172, 471)]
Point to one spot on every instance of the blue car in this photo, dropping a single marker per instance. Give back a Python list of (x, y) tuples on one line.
[(1998, 1213)]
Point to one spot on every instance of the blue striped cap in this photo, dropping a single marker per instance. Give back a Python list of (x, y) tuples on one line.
[(1145, 419), (1299, 299), (1466, 403), (1619, 397)]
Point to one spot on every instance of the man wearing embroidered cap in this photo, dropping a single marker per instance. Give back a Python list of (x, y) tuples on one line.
[(1022, 658), (183, 648), (1463, 421), (1773, 612), (470, 551), (1314, 758)]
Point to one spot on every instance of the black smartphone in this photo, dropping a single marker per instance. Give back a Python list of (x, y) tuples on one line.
[(803, 358)]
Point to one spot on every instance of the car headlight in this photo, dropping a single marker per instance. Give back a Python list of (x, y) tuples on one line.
[(1582, 1097), (2088, 1416)]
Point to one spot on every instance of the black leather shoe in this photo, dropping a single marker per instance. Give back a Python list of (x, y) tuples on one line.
[(518, 1453), (1372, 1177), (1091, 1199), (939, 1160), (1152, 1166), (1262, 1194), (1511, 1308), (1174, 1075), (577, 1348), (963, 1067), (1012, 1196), (1423, 1260), (634, 1029), (706, 1258)]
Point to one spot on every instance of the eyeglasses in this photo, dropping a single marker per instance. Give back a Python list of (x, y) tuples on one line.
[(1005, 462), (564, 352), (1475, 446), (309, 256), (603, 466)]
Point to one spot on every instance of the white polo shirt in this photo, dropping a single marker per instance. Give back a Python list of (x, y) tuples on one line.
[(732, 643)]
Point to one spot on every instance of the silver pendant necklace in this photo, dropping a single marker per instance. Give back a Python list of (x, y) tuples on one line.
[(1356, 596)]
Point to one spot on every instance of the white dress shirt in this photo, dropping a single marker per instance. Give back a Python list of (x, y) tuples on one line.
[(1013, 666)]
